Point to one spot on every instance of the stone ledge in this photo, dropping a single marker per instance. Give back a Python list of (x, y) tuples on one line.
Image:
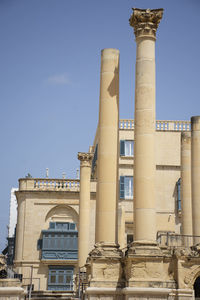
[(11, 291), (145, 290), (10, 283), (100, 290)]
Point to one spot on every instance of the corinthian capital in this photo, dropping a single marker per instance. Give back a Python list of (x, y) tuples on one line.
[(85, 158), (145, 21)]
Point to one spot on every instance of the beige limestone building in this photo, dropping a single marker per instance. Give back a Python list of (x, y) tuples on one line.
[(133, 212), (45, 205)]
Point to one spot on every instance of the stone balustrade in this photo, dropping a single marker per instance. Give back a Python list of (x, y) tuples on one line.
[(162, 125), (47, 184), (40, 184)]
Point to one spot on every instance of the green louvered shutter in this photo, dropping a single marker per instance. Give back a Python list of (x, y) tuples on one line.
[(122, 148), (121, 187)]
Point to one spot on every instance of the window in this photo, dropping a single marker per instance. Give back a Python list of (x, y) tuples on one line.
[(178, 186), (60, 278), (126, 148), (62, 226), (129, 238), (59, 242), (126, 187)]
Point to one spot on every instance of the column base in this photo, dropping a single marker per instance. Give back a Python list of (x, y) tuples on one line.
[(147, 266), (109, 250), (104, 266)]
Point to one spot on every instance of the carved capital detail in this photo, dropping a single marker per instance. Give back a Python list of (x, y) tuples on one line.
[(85, 159), (145, 21)]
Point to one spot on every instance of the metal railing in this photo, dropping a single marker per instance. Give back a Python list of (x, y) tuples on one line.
[(170, 239)]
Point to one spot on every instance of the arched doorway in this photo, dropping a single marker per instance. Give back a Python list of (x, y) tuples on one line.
[(197, 288)]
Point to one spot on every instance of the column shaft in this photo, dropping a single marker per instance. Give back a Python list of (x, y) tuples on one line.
[(20, 229), (195, 159), (145, 23), (107, 172), (84, 208), (186, 201), (144, 162)]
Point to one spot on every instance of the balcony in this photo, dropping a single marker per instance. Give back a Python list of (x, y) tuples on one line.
[(172, 240), (60, 242)]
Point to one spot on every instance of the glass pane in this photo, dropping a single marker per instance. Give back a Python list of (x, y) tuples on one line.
[(52, 243), (52, 278), (128, 182), (60, 279), (68, 279), (128, 148), (72, 226)]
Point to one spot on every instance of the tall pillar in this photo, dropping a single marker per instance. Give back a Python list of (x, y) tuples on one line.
[(19, 244), (107, 171), (104, 262), (195, 162), (84, 207), (186, 201), (145, 23)]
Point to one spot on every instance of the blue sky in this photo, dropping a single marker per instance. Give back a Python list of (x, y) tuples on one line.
[(49, 78)]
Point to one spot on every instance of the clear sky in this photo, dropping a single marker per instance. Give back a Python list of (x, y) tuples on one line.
[(49, 78)]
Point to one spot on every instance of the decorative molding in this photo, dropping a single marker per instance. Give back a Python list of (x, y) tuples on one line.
[(145, 21), (59, 255)]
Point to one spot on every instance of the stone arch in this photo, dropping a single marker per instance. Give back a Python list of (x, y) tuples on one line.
[(191, 277), (62, 213)]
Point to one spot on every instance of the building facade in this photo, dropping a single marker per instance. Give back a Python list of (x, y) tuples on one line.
[(48, 210), (126, 224)]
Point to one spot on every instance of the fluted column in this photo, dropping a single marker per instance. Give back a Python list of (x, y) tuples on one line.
[(195, 159), (107, 171), (186, 201), (145, 23), (84, 207)]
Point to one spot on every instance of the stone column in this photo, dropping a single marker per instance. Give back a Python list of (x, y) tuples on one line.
[(19, 243), (84, 207), (186, 201), (195, 162), (107, 171), (145, 23)]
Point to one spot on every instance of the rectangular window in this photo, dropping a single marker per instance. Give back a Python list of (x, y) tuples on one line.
[(62, 226), (126, 147), (60, 242), (129, 238), (60, 278), (126, 187)]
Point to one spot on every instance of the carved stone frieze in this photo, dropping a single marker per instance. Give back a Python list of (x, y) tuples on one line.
[(85, 159), (105, 250), (194, 252), (145, 21)]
